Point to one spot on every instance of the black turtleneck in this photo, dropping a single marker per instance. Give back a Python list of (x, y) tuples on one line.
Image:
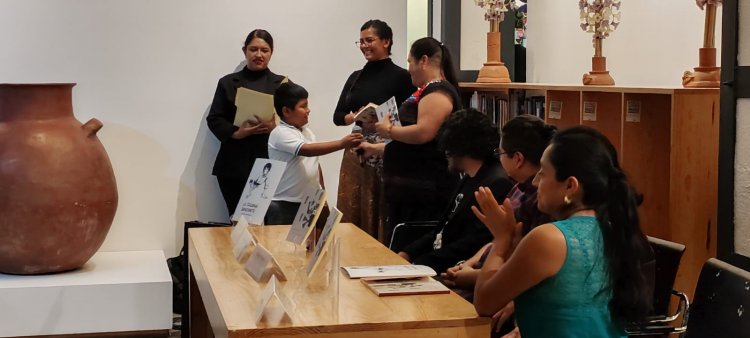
[(376, 82), (236, 157)]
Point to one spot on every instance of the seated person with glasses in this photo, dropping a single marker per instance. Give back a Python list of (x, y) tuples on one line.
[(468, 139), (524, 139)]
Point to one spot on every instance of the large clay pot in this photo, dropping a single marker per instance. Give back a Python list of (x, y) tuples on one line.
[(57, 190)]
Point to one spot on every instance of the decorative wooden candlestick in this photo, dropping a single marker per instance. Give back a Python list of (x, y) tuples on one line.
[(707, 74), (599, 75), (494, 70)]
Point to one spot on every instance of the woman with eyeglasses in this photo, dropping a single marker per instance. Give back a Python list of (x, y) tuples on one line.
[(360, 185), (241, 145), (416, 179)]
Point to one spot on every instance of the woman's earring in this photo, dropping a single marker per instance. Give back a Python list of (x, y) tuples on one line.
[(566, 200)]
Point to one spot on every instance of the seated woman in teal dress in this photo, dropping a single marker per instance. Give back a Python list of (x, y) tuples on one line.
[(579, 276)]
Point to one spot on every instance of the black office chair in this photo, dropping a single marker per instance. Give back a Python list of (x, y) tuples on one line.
[(408, 232), (721, 307), (722, 297), (667, 257)]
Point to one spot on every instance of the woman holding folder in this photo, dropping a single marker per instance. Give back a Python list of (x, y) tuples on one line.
[(380, 79), (242, 141)]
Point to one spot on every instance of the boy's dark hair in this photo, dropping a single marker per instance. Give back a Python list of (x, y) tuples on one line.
[(468, 133), (287, 95)]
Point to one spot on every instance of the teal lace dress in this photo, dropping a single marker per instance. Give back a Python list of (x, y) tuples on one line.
[(574, 302)]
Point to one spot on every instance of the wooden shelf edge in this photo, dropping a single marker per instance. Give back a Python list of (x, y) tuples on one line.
[(569, 87)]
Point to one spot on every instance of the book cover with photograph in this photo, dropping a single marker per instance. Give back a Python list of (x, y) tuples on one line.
[(259, 190), (307, 215)]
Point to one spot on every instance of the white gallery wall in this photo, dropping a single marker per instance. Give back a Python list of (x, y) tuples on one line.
[(742, 150), (148, 70), (655, 43)]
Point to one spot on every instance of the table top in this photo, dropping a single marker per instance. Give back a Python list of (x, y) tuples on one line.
[(232, 298)]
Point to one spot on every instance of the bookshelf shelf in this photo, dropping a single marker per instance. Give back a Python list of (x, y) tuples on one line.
[(667, 140)]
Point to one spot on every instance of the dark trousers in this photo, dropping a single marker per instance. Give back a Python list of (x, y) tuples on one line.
[(281, 212), (231, 189)]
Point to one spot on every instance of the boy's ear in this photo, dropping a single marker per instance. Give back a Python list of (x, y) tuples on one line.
[(283, 112)]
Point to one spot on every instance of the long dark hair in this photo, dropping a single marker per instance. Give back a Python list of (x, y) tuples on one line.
[(382, 30), (528, 135), (260, 34), (435, 50), (587, 155)]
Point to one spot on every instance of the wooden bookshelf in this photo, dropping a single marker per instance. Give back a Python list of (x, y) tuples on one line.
[(667, 140)]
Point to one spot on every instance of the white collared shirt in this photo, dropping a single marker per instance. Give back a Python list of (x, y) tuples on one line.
[(301, 172)]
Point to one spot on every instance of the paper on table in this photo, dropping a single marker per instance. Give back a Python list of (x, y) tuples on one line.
[(261, 263), (240, 227), (246, 239), (376, 272), (406, 287)]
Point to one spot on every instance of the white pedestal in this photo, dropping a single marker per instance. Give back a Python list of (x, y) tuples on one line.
[(113, 292)]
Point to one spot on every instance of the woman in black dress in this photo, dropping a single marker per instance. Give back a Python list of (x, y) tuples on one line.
[(241, 145), (417, 182)]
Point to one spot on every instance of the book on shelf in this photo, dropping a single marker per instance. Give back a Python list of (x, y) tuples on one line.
[(501, 107), (382, 272), (402, 287)]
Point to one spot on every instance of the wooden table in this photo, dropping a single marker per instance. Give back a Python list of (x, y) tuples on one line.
[(224, 299)]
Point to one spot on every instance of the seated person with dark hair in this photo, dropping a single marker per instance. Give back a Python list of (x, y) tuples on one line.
[(469, 142)]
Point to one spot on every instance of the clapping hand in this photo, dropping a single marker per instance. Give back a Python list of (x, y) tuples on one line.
[(499, 219)]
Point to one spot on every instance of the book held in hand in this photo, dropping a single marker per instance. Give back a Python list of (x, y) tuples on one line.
[(372, 113), (402, 287), (252, 105), (381, 272)]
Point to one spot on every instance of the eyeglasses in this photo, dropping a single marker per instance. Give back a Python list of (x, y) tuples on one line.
[(366, 41), (497, 153)]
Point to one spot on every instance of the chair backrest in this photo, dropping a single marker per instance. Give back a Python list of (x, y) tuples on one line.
[(721, 306), (667, 256), (408, 232)]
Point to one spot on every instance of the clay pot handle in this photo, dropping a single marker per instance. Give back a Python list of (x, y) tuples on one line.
[(92, 126)]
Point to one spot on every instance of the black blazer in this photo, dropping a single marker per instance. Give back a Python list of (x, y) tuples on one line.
[(463, 233), (236, 157)]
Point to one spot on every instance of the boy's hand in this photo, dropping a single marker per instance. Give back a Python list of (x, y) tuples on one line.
[(352, 140)]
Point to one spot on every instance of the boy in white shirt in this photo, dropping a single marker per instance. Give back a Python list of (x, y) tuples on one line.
[(293, 142)]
